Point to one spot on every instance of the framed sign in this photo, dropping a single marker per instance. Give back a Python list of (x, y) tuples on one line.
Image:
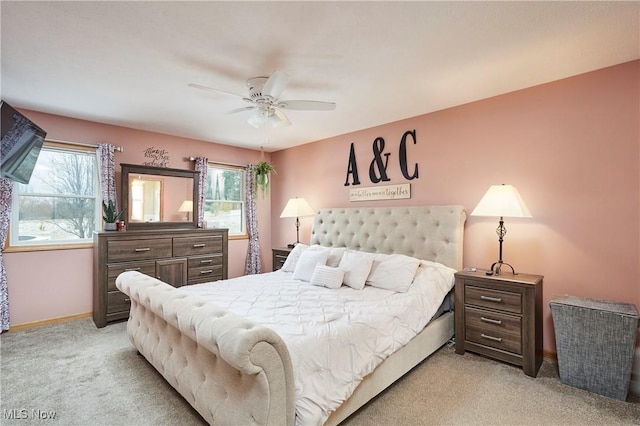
[(389, 192)]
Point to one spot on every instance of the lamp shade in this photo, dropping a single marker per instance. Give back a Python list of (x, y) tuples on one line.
[(502, 201), (187, 206), (297, 207)]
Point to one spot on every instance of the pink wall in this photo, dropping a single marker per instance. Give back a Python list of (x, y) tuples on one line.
[(53, 284), (571, 148)]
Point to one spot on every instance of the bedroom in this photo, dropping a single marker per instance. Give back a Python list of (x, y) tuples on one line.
[(570, 146)]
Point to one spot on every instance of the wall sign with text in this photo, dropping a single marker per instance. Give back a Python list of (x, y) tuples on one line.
[(156, 157), (378, 166)]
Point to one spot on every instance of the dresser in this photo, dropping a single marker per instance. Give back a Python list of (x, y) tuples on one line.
[(500, 317), (280, 255), (178, 257)]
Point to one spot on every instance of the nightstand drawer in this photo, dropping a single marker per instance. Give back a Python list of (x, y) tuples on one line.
[(493, 299), (501, 331)]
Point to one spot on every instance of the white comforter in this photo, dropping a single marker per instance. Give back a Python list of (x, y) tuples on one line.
[(335, 337)]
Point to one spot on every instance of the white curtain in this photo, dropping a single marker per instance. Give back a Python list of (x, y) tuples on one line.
[(253, 253)]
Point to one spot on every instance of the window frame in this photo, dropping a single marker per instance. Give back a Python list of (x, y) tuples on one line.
[(63, 244), (243, 193)]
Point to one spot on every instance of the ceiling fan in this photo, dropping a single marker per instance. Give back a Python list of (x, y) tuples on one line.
[(264, 97)]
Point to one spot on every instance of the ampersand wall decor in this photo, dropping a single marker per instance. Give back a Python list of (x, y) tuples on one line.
[(378, 168)]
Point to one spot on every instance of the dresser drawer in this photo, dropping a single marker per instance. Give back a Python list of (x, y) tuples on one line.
[(494, 329), (146, 267), (117, 301), (205, 273), (493, 299), (128, 250), (193, 246)]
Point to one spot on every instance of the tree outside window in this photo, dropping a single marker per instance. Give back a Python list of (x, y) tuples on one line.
[(60, 204), (224, 205)]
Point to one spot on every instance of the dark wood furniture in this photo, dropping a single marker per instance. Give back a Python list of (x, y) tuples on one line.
[(279, 256), (178, 257), (500, 317)]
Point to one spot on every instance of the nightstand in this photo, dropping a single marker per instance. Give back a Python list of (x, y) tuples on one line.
[(500, 316), (279, 256)]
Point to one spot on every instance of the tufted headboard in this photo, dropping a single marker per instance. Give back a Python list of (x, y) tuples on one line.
[(428, 232)]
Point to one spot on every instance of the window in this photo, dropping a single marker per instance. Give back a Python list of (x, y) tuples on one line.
[(224, 205), (60, 204)]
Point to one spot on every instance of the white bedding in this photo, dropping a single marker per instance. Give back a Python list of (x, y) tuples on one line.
[(335, 336)]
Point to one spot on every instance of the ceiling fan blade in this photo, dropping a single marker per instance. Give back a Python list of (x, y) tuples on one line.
[(282, 117), (243, 109), (275, 84), (211, 89), (307, 105)]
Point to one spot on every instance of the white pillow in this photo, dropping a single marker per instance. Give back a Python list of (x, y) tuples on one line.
[(327, 276), (395, 272), (289, 264), (356, 266), (307, 263)]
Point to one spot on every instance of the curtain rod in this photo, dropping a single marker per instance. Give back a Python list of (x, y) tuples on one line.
[(118, 148), (228, 164)]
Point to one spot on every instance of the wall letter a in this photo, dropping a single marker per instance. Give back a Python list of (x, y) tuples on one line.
[(352, 168)]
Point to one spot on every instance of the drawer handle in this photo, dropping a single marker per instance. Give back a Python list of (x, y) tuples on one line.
[(199, 245), (208, 271), (142, 249), (490, 320), (491, 299), (132, 269), (206, 261), (127, 300), (495, 339)]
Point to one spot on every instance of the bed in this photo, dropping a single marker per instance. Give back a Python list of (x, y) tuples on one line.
[(234, 370)]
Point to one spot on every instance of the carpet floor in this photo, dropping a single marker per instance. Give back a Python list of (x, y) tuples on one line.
[(72, 373)]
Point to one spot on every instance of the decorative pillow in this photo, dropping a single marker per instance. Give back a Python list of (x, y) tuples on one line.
[(356, 266), (335, 255), (290, 263), (327, 276), (395, 272), (307, 263)]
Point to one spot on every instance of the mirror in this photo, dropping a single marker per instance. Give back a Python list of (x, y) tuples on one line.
[(159, 197)]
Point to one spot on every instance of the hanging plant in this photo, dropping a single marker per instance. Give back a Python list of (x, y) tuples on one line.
[(261, 172)]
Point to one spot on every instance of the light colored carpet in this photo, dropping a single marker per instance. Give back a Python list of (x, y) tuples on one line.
[(90, 376)]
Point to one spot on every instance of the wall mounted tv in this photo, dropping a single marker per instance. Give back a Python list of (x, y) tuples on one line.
[(22, 141)]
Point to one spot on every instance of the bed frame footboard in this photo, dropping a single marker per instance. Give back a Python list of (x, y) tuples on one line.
[(229, 369)]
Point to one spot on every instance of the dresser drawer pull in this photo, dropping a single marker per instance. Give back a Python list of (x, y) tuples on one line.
[(206, 261), (490, 320), (199, 245), (491, 299), (127, 300), (142, 249), (208, 271), (495, 339), (132, 269)]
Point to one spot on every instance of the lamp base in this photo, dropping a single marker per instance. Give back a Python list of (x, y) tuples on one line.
[(496, 268), (292, 245)]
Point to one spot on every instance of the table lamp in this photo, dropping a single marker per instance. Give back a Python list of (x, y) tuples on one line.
[(502, 201), (186, 207), (297, 207)]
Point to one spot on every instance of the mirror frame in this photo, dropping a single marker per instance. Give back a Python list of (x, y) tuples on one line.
[(134, 169)]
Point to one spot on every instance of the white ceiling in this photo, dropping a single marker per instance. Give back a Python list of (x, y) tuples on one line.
[(129, 63)]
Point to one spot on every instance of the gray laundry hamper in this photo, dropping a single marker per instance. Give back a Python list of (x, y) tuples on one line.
[(595, 340)]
